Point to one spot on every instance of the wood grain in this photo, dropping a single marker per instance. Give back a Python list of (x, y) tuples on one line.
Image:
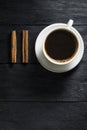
[(42, 12), (41, 85), (30, 96), (45, 116), (34, 83), (33, 33)]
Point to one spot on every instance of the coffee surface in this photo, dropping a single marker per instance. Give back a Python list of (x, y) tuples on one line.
[(61, 44)]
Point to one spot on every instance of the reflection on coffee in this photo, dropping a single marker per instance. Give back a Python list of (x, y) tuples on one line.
[(61, 45)]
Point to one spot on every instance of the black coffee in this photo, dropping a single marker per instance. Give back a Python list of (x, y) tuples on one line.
[(61, 45)]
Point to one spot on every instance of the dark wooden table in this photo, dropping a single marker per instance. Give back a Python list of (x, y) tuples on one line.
[(32, 98)]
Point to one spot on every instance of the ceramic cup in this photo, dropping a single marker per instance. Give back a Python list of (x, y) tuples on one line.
[(46, 61)]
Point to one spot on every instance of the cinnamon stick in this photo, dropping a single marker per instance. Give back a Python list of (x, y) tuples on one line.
[(23, 50), (25, 46), (13, 47)]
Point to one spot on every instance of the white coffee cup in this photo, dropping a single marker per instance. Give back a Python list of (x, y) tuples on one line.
[(49, 63)]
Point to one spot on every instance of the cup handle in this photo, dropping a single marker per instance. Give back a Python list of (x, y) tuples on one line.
[(70, 23)]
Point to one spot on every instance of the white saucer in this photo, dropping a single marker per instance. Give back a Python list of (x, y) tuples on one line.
[(47, 64)]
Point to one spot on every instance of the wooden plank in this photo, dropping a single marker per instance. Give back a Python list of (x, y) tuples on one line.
[(56, 101), (43, 116), (40, 4), (5, 41), (32, 82), (42, 12)]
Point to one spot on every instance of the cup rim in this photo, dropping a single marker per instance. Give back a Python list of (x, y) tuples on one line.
[(72, 31)]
